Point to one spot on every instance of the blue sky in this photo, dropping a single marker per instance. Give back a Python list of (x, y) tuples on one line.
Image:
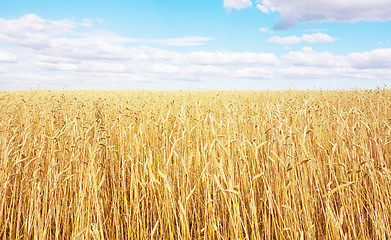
[(195, 44)]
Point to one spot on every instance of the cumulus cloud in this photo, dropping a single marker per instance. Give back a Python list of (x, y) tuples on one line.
[(299, 11), (375, 59), (47, 50), (290, 40), (308, 57), (35, 32), (68, 56), (308, 38), (309, 64), (237, 4)]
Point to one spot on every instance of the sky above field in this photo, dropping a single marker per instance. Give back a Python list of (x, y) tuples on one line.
[(195, 44)]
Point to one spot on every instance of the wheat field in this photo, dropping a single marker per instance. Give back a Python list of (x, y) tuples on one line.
[(195, 164)]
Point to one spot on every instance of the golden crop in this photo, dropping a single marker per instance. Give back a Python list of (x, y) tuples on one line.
[(195, 165)]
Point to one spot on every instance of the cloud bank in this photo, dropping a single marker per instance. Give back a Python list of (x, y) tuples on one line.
[(63, 52), (307, 38)]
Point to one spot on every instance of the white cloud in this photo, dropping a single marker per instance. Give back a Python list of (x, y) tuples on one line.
[(263, 8), (59, 51), (91, 57), (375, 59), (32, 31), (378, 58), (317, 38), (108, 36), (309, 64), (184, 41), (237, 4), (308, 57), (298, 11), (308, 38), (232, 58), (265, 30), (290, 40)]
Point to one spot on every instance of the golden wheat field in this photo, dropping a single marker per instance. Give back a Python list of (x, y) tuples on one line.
[(195, 164)]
